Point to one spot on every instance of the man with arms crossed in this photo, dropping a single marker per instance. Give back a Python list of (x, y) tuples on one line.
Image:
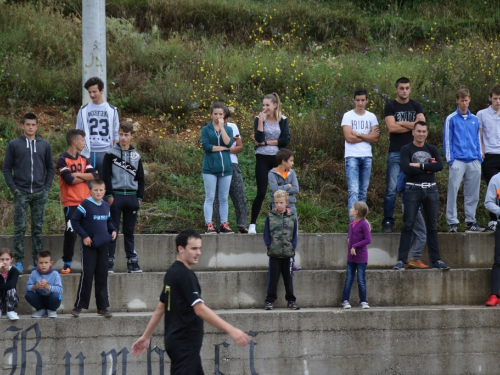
[(400, 116), (99, 120), (489, 130), (360, 128), (185, 311), (419, 162)]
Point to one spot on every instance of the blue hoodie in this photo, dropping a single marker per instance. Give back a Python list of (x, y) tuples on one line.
[(461, 138), (53, 279)]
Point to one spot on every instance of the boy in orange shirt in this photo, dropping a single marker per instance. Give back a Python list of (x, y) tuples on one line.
[(75, 171)]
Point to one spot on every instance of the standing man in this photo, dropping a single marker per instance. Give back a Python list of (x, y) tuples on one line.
[(28, 169), (492, 204), (99, 120), (75, 172), (185, 311), (462, 148), (360, 129), (400, 117), (489, 130), (419, 162)]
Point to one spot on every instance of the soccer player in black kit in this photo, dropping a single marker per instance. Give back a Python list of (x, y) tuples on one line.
[(184, 311)]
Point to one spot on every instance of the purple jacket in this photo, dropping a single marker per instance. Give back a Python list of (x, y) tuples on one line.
[(359, 237)]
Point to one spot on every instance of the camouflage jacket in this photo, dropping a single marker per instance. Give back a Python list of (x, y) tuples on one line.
[(280, 234)]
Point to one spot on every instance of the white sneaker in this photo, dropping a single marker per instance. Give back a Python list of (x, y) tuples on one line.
[(39, 314), (492, 225), (365, 305), (346, 304), (12, 315), (251, 229), (52, 314)]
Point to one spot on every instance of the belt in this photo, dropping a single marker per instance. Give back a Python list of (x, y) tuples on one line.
[(423, 185)]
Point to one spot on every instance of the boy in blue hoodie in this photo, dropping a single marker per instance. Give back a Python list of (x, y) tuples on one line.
[(92, 221), (44, 288)]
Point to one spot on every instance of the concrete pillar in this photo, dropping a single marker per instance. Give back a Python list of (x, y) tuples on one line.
[(93, 43)]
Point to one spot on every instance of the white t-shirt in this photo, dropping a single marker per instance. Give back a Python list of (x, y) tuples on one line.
[(236, 132), (359, 124), (100, 132)]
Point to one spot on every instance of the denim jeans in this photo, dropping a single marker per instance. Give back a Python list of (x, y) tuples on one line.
[(391, 179), (349, 279), (357, 171), (51, 301), (429, 199), (223, 183)]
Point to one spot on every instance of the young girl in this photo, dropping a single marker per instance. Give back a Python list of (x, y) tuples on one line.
[(358, 238), (271, 132), (8, 281), (217, 170)]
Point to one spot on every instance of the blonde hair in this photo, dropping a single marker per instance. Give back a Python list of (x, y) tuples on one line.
[(275, 99), (280, 194), (362, 209)]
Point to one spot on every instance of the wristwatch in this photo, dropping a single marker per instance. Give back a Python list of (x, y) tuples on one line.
[(358, 135)]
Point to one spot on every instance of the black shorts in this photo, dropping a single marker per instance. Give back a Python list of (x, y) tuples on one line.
[(185, 360)]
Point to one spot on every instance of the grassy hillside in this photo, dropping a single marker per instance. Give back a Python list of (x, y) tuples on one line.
[(169, 60)]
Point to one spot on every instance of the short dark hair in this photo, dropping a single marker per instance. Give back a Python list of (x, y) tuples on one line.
[(183, 237), (283, 154), (495, 90), (401, 80), (44, 254), (30, 116), (218, 105), (96, 181), (72, 134), (359, 92), (421, 123), (127, 127), (94, 81)]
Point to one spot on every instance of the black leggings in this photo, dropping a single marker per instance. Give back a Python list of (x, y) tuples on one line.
[(263, 164)]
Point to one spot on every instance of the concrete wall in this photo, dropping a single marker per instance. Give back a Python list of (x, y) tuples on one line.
[(426, 340), (314, 252)]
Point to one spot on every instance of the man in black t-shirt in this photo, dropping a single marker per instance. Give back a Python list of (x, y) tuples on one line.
[(185, 311), (400, 116), (419, 162)]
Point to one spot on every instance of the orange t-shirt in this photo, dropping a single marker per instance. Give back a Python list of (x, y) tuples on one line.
[(73, 195)]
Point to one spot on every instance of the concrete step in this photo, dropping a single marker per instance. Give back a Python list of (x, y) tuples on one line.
[(321, 288), (431, 340), (247, 252)]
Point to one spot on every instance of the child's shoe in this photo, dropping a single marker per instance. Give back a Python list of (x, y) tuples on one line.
[(251, 229), (106, 313), (66, 269), (346, 304), (296, 267), (12, 315), (269, 306), (365, 305), (209, 228), (292, 305), (39, 314), (493, 301), (76, 311), (52, 314), (133, 266), (224, 229)]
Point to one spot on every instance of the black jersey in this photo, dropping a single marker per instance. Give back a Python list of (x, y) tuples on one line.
[(423, 156), (181, 291), (402, 113)]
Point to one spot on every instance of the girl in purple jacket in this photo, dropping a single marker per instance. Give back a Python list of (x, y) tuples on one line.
[(358, 238)]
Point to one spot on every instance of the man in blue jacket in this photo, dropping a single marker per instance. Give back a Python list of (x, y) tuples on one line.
[(28, 169), (462, 149)]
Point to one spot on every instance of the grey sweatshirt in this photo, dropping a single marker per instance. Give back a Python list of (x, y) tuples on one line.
[(277, 182), (32, 164), (491, 201)]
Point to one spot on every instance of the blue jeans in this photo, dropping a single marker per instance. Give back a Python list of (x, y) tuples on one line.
[(349, 279), (391, 180), (429, 199), (223, 184), (357, 171), (48, 302)]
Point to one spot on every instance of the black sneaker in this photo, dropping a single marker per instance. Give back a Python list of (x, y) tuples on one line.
[(209, 229), (133, 266), (269, 306), (76, 311), (474, 228), (387, 227), (224, 229), (440, 265), (111, 265), (106, 313), (292, 305)]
